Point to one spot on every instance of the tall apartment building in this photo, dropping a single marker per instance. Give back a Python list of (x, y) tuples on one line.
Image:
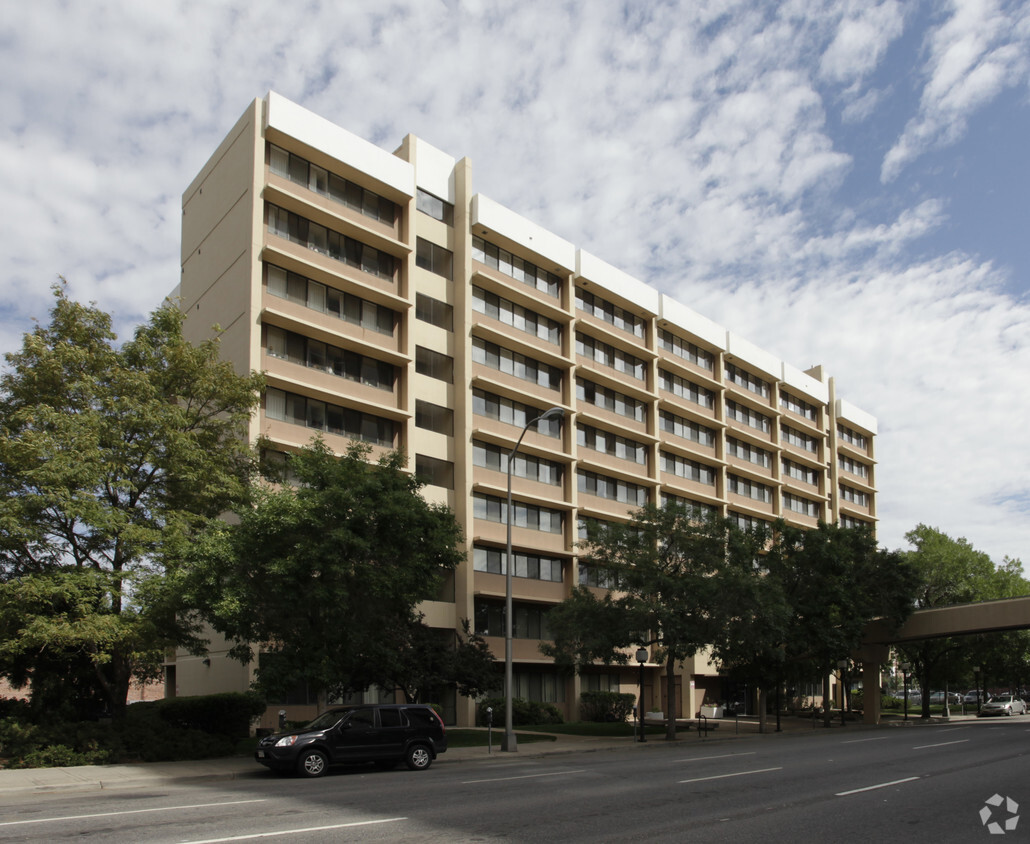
[(387, 302)]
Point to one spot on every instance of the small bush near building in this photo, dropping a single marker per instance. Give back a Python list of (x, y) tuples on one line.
[(229, 714), (523, 712), (605, 706)]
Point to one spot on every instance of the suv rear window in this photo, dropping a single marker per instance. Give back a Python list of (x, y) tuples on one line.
[(422, 717), (392, 718)]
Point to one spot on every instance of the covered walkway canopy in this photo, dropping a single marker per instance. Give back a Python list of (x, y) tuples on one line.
[(958, 620)]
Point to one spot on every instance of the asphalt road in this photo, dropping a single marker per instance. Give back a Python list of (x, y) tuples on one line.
[(901, 784)]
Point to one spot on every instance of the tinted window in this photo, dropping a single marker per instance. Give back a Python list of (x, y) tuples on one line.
[(391, 718), (421, 717)]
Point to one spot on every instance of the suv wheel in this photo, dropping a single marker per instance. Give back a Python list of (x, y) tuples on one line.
[(312, 763), (418, 757)]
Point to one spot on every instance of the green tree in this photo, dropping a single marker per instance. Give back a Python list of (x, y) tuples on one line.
[(951, 571), (805, 603), (430, 659), (111, 459), (321, 574), (671, 566)]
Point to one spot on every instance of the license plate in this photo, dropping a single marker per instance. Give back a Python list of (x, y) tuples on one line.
[(261, 754)]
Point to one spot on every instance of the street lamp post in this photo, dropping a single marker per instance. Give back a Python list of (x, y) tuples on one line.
[(905, 667), (641, 659), (509, 742)]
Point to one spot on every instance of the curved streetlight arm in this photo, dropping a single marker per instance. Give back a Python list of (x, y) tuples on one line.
[(509, 742)]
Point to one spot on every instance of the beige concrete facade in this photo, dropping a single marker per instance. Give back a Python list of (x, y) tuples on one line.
[(387, 301)]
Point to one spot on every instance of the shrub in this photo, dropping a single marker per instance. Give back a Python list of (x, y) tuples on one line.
[(229, 714), (605, 706), (60, 756), (523, 712)]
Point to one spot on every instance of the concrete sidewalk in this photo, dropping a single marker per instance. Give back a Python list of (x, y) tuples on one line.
[(158, 774)]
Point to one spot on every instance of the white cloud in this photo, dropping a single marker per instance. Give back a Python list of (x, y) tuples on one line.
[(978, 51), (691, 144)]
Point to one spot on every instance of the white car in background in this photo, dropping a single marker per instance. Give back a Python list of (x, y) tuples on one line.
[(1003, 705)]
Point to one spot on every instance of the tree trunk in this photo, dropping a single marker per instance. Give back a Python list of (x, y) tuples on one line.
[(670, 712)]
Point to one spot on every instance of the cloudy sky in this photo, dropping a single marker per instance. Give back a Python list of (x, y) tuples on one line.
[(842, 183)]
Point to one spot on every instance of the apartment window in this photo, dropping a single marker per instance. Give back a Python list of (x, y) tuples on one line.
[(805, 474), (434, 364), (512, 413), (597, 576), (799, 406), (434, 471), (512, 363), (797, 439), (434, 207), (693, 509), (529, 621), (607, 355), (747, 522), (542, 686), (529, 566), (591, 393), (746, 416), (489, 456), (797, 504), (328, 300), (685, 389), (609, 443), (341, 190), (434, 311), (852, 522), (515, 267), (433, 417), (670, 423), (501, 309), (853, 466), (848, 493), (327, 358), (751, 453), (747, 380), (686, 350), (330, 418), (852, 437), (337, 246), (691, 470), (591, 483), (492, 509), (749, 489), (600, 682), (610, 313), (432, 257)]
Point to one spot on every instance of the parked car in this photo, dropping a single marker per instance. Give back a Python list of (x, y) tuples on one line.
[(973, 697), (937, 698), (1003, 705), (383, 734)]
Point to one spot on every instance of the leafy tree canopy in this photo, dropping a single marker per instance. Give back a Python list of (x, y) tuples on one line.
[(110, 460), (324, 575)]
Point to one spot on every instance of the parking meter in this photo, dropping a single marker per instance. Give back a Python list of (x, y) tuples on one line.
[(489, 729), (282, 719)]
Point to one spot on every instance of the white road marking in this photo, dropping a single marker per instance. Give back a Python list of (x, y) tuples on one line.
[(860, 740), (523, 777), (290, 831), (737, 774), (942, 744), (874, 787), (723, 756), (129, 812)]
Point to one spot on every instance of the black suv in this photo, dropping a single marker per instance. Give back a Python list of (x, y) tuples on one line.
[(384, 734)]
